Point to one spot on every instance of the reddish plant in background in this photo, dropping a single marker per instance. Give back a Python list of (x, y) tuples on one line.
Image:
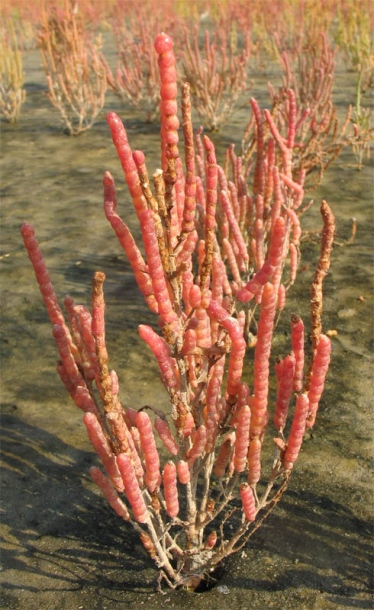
[(216, 73), (74, 69), (195, 481), (305, 101), (136, 80)]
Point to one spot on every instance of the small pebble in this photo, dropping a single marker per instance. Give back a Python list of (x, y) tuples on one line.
[(223, 589), (344, 314)]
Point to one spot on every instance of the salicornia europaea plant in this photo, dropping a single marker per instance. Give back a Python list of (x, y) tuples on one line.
[(136, 79), (192, 480), (217, 73), (74, 68)]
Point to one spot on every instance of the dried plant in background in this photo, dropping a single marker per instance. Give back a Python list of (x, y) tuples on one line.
[(216, 72), (196, 480), (12, 93), (74, 68), (136, 80)]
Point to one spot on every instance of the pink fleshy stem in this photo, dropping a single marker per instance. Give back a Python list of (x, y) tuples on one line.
[(84, 400), (109, 492), (259, 205), (256, 284), (135, 451), (258, 185), (318, 376), (110, 400), (211, 541), (224, 455), (210, 422), (156, 270), (80, 394), (189, 245), (292, 119), (254, 461), (189, 209), (184, 474), (269, 181), (85, 323), (234, 226), (295, 187), (102, 448), (63, 343), (237, 353), (257, 242), (231, 260), (166, 436), (161, 350), (294, 261), (242, 438), (234, 198), (117, 425), (285, 375), (243, 396), (281, 297), (151, 456), (80, 323), (115, 382), (81, 355), (248, 501), (214, 387), (168, 112), (128, 243), (169, 476), (297, 431), (42, 275), (200, 153), (286, 152), (132, 489), (276, 246), (198, 445), (124, 152), (261, 360), (279, 196), (297, 343), (195, 296), (189, 342), (70, 387), (218, 278), (210, 210), (203, 336)]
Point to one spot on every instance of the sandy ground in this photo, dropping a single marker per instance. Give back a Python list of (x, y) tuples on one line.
[(62, 547)]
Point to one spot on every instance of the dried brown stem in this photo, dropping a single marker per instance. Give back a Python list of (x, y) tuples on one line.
[(316, 301)]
